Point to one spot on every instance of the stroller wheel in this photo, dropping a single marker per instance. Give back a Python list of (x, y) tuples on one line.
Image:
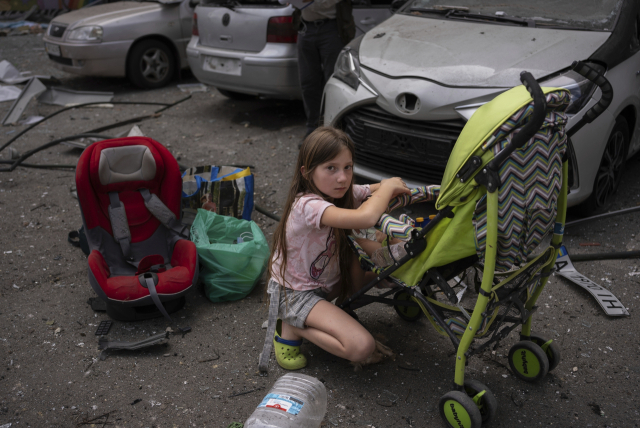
[(407, 313), (552, 350), (486, 403), (528, 361), (457, 409)]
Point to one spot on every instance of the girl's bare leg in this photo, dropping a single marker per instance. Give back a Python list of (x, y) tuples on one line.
[(333, 329), (336, 332)]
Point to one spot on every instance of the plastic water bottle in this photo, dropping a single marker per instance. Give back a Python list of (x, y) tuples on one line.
[(294, 401)]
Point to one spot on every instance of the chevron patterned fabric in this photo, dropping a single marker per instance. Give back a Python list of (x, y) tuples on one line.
[(396, 228), (531, 179), (419, 194)]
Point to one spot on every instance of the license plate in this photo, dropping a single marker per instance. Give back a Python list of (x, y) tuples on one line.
[(223, 65), (52, 49)]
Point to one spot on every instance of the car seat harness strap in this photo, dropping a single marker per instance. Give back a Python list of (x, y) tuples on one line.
[(160, 211), (120, 225), (149, 280)]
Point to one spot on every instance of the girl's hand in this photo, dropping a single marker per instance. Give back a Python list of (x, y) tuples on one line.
[(396, 185)]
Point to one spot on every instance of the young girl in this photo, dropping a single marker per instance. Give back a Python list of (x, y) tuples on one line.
[(312, 263)]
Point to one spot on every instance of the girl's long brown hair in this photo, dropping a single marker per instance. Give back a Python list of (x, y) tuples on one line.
[(319, 147)]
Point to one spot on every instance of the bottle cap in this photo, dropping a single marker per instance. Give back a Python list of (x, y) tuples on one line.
[(432, 216), (420, 219)]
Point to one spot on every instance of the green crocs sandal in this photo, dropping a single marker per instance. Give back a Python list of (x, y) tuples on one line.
[(287, 352)]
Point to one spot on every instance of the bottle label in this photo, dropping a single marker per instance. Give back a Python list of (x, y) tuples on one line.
[(285, 403)]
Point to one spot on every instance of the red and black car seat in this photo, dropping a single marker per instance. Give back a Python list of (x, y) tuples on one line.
[(129, 191)]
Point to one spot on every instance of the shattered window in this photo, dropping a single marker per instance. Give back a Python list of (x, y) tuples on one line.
[(599, 15)]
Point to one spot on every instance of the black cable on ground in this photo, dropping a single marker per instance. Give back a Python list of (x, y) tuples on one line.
[(605, 256), (265, 212), (601, 216), (26, 155), (39, 166), (30, 127)]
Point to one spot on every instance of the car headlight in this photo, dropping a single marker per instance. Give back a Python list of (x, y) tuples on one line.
[(348, 68), (91, 33), (580, 87)]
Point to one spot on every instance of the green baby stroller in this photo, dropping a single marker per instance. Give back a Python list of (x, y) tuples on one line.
[(501, 213)]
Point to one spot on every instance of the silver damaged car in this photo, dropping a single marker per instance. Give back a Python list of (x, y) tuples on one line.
[(405, 90), (142, 40), (248, 47)]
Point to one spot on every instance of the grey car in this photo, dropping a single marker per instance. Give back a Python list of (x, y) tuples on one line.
[(248, 47), (142, 40)]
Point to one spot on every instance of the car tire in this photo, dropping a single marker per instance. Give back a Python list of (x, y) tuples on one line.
[(610, 170), (151, 64), (236, 95)]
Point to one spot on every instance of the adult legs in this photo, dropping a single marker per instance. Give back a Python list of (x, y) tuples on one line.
[(318, 49)]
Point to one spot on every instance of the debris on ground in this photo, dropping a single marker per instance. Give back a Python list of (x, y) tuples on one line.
[(105, 344)]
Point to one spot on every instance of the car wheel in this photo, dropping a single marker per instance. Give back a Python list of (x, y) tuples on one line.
[(151, 64), (236, 95), (610, 171)]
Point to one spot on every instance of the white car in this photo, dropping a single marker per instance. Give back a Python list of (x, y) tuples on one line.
[(248, 47), (405, 90)]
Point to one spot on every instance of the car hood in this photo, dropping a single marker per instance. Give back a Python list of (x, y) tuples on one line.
[(471, 54), (104, 13)]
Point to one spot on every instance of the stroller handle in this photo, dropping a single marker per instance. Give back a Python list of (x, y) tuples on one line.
[(530, 129), (605, 100)]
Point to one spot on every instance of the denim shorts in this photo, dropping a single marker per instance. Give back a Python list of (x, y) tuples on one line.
[(294, 306)]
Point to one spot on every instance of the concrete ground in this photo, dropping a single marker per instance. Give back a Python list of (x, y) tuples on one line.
[(51, 375)]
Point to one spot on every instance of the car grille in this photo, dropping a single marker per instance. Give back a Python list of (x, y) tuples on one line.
[(57, 30), (415, 150), (59, 59)]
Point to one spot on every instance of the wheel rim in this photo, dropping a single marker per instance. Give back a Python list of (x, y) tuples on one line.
[(610, 171), (154, 65), (456, 414), (526, 363)]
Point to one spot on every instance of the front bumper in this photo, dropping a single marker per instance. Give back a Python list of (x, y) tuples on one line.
[(271, 72), (91, 59), (389, 144)]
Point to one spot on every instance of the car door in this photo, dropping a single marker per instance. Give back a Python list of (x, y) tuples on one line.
[(369, 13)]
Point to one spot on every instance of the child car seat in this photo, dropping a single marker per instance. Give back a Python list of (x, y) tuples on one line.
[(141, 262)]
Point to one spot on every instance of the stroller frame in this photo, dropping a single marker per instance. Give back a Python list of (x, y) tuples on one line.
[(471, 403)]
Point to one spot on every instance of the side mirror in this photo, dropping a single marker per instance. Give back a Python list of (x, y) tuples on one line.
[(397, 4)]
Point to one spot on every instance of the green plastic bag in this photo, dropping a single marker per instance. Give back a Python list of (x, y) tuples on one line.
[(230, 267)]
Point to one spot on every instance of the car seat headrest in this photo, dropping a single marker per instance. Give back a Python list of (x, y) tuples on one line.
[(126, 163)]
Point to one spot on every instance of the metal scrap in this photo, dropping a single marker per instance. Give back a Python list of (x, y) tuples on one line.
[(67, 97), (10, 74), (32, 88), (105, 345)]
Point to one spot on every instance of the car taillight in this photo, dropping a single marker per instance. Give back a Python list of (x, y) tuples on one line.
[(194, 27), (280, 30)]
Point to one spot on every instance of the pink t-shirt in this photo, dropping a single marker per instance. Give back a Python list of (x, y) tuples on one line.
[(311, 247)]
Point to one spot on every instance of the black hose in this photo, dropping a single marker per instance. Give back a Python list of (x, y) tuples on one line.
[(39, 166), (30, 127), (265, 212), (601, 216), (26, 155), (605, 256)]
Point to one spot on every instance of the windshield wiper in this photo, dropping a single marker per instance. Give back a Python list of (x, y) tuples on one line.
[(460, 12)]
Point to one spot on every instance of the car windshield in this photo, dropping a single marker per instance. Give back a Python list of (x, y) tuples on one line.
[(241, 2), (598, 15)]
